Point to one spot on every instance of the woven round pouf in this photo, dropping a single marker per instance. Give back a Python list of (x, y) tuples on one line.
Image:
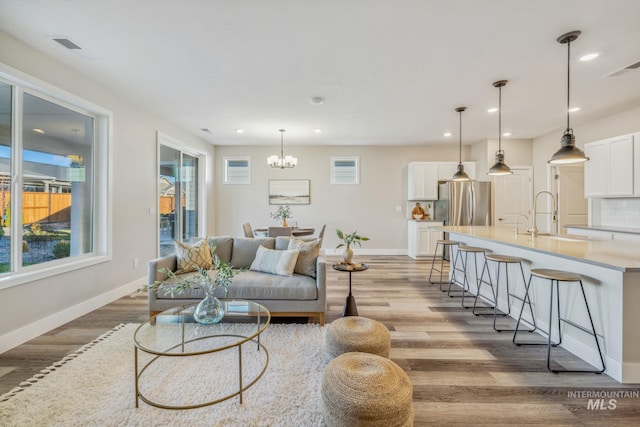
[(362, 389), (354, 333)]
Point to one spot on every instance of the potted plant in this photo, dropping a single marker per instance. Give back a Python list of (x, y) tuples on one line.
[(349, 239), (210, 309), (282, 213)]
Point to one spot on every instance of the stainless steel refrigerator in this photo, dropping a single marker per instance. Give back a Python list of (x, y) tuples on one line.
[(463, 203)]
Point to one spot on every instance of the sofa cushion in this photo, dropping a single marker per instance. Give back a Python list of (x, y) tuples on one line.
[(309, 251), (275, 262), (282, 243), (245, 248), (256, 286), (191, 257), (224, 247)]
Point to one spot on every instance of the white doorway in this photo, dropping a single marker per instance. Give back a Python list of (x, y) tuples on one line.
[(512, 196), (568, 188)]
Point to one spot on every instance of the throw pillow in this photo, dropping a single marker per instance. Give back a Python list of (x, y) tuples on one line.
[(224, 247), (245, 248), (192, 257), (275, 262), (309, 251)]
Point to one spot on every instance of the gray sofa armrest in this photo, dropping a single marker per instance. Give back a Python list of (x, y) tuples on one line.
[(153, 275), (321, 279)]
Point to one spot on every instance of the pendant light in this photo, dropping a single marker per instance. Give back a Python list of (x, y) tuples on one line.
[(499, 168), (568, 152), (460, 175), (282, 162)]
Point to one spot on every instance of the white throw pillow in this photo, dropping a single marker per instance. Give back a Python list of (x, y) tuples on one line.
[(275, 262)]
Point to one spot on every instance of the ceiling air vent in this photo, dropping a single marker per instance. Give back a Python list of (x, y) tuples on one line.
[(623, 70), (67, 43), (206, 130)]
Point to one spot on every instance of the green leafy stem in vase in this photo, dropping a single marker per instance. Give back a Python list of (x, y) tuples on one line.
[(282, 213), (208, 280), (349, 239)]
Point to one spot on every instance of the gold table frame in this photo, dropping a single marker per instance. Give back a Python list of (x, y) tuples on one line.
[(184, 313)]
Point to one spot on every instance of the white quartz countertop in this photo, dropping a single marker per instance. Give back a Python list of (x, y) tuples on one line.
[(611, 228), (614, 254)]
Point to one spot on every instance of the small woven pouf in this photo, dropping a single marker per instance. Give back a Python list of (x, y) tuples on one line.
[(362, 389), (354, 333)]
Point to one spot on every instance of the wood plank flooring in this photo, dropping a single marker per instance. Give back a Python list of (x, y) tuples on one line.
[(462, 371)]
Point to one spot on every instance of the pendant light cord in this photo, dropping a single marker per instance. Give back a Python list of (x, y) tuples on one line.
[(500, 118), (568, 79), (460, 133), (282, 145)]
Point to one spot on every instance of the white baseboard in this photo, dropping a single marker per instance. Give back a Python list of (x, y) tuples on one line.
[(338, 252), (28, 332)]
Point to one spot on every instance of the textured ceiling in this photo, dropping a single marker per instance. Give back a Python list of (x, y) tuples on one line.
[(391, 72)]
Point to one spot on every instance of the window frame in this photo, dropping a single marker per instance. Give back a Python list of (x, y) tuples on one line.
[(355, 159), (226, 180), (102, 213)]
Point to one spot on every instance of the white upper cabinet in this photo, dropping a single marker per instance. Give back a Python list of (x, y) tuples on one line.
[(636, 164), (423, 181), (424, 177), (609, 172)]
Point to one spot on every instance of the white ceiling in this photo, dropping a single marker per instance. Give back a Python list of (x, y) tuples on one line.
[(391, 72)]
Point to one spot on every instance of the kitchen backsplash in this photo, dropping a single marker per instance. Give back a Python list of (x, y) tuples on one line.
[(616, 212)]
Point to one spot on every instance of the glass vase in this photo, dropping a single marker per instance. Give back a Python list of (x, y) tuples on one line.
[(209, 311)]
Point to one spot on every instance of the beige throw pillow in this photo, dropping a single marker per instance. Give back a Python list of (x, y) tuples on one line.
[(192, 257), (274, 262), (309, 251)]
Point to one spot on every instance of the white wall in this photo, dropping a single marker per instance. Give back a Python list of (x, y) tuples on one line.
[(369, 208), (30, 309)]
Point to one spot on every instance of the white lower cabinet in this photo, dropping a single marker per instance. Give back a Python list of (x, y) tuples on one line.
[(423, 238)]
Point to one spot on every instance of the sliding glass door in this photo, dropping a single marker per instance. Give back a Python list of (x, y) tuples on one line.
[(179, 198)]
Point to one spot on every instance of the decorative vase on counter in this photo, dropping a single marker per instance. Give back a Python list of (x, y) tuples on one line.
[(284, 223), (347, 255), (210, 310)]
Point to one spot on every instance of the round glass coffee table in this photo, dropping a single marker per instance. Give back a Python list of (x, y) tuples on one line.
[(173, 334)]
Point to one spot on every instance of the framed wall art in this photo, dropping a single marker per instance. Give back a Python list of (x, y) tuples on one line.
[(289, 192)]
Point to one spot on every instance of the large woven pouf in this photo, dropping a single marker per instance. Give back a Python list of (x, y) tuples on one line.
[(354, 333), (362, 389)]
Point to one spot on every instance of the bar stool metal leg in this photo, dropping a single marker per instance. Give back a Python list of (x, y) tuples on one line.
[(555, 277)]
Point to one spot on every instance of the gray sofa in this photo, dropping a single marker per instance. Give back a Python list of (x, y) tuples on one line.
[(298, 295)]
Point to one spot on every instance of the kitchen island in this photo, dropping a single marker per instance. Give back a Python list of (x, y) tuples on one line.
[(611, 277)]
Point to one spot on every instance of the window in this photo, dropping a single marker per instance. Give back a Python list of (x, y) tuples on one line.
[(50, 176), (345, 170), (237, 170), (180, 199)]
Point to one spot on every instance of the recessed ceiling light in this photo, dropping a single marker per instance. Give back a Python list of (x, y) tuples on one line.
[(448, 134), (574, 109), (492, 110), (239, 130), (588, 57), (317, 130), (37, 130), (506, 134)]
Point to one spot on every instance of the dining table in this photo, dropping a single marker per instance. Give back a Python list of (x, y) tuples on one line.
[(295, 231)]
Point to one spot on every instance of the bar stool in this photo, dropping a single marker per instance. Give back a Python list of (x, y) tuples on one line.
[(557, 276), (462, 268), (501, 260), (445, 245)]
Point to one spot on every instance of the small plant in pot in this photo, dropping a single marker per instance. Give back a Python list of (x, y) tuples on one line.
[(282, 213), (348, 240)]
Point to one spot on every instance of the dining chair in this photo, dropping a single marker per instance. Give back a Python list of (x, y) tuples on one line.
[(248, 231), (293, 224), (279, 231), (321, 234)]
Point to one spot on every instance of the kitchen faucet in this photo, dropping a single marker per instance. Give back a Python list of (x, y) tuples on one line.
[(526, 218), (554, 215)]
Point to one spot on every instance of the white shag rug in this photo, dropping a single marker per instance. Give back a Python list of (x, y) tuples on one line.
[(95, 386)]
